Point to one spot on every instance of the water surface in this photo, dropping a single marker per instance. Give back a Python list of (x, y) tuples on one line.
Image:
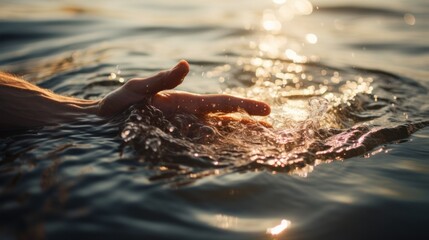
[(345, 158)]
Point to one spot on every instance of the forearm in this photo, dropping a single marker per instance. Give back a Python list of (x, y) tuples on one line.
[(24, 105)]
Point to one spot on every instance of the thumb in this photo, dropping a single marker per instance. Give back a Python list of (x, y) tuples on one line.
[(164, 80), (137, 89)]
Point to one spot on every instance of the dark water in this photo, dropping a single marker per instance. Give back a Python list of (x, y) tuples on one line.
[(346, 157)]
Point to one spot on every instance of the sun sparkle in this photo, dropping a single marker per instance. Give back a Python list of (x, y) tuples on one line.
[(284, 224)]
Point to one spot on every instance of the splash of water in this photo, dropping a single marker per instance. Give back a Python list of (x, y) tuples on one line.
[(319, 113), (334, 116)]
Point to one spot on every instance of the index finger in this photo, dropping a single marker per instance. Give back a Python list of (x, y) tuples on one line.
[(229, 104), (173, 102)]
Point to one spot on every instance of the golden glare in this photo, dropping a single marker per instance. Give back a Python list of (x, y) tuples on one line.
[(295, 57), (303, 7), (311, 38), (270, 22), (284, 224), (303, 97), (286, 12), (280, 2)]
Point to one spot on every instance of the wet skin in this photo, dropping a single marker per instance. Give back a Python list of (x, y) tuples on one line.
[(25, 105), (156, 90)]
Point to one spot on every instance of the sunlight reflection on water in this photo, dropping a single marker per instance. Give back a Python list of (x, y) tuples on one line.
[(284, 224), (300, 59), (318, 111), (281, 75), (233, 223)]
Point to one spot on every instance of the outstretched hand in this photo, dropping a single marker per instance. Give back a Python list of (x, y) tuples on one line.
[(157, 91), (24, 105)]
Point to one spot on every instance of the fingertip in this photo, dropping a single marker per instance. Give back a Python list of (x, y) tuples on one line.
[(184, 62), (181, 68), (260, 109), (252, 107), (266, 109), (175, 75)]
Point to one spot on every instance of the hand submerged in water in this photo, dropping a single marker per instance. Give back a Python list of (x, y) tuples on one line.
[(24, 105), (157, 91)]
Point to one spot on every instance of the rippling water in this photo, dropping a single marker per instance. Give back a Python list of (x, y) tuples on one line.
[(344, 156)]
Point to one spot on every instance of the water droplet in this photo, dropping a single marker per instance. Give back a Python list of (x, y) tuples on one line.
[(128, 135), (125, 134), (112, 76), (153, 144)]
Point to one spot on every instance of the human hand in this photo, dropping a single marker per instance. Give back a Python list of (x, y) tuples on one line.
[(171, 102), (20, 101)]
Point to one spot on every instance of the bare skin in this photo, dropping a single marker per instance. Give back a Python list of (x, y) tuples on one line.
[(24, 105)]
